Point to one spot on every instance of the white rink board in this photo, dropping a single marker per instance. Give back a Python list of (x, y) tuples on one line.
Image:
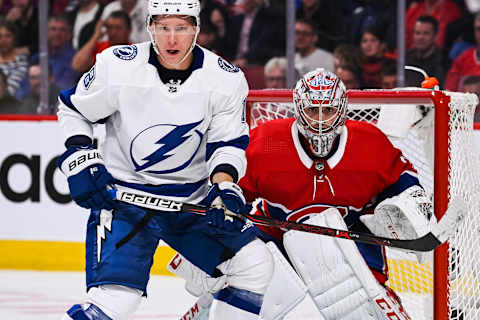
[(45, 219)]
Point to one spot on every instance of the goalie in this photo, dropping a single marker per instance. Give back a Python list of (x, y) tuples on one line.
[(322, 169)]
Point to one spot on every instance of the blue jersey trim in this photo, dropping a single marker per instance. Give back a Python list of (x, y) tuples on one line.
[(241, 299), (65, 97), (171, 190), (240, 142), (405, 181)]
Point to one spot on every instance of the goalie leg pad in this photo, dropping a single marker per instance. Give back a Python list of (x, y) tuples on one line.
[(338, 279), (276, 304), (251, 268), (248, 275)]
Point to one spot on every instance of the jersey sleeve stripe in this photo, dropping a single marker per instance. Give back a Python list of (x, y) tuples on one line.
[(240, 142)]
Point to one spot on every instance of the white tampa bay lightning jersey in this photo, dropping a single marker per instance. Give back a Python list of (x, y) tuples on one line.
[(161, 139)]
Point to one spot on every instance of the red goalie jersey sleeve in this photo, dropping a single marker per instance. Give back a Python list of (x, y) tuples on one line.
[(294, 186)]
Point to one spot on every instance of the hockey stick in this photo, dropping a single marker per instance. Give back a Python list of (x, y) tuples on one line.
[(438, 235)]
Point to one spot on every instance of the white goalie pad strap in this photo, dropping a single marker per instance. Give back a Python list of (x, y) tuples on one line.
[(406, 216), (197, 282), (80, 160), (285, 291), (338, 279)]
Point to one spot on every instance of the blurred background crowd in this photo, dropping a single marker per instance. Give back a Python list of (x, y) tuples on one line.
[(354, 38)]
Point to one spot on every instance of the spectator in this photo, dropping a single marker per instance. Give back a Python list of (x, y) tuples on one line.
[(24, 15), (425, 54), (347, 54), (8, 104), (274, 71), (472, 85), (388, 74), (445, 11), (13, 61), (373, 51), (328, 19), (308, 56), (207, 36), (350, 75), (257, 35), (117, 26), (137, 11), (375, 13), (31, 104), (84, 19), (467, 64), (60, 56), (217, 16)]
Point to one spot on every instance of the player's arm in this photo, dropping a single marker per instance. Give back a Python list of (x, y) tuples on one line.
[(79, 108), (227, 139), (403, 209)]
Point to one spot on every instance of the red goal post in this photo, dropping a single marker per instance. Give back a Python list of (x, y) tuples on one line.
[(456, 170)]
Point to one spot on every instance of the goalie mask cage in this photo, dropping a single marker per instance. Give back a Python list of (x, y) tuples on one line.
[(434, 130)]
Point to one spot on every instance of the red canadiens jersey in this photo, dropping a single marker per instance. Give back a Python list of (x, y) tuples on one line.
[(294, 186)]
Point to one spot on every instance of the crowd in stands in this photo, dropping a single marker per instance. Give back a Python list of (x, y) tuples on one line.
[(354, 38)]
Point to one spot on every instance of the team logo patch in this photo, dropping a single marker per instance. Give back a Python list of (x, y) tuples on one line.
[(88, 78), (166, 148), (126, 52), (227, 66)]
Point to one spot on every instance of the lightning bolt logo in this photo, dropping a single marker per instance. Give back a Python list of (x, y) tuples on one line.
[(167, 143), (105, 223)]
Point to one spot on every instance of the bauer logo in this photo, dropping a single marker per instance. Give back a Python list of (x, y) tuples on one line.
[(165, 148), (126, 52), (227, 66), (88, 78)]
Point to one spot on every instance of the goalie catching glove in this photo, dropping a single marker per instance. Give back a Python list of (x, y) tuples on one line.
[(87, 177), (408, 215)]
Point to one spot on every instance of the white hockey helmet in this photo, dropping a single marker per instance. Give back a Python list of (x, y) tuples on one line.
[(174, 7), (320, 99)]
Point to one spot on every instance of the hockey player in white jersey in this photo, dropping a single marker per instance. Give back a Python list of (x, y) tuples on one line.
[(174, 115)]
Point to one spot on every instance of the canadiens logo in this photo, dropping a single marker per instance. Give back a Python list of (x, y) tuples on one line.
[(302, 214), (126, 52), (227, 66), (165, 148)]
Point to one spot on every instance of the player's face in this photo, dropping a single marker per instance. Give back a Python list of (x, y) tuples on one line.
[(324, 115), (173, 36)]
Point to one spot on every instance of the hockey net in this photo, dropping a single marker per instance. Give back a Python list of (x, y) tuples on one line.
[(434, 130)]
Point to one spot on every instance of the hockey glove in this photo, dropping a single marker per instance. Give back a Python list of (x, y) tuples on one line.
[(223, 198), (87, 177), (226, 195)]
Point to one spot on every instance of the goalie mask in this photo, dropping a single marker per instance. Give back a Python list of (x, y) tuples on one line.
[(166, 8), (320, 99)]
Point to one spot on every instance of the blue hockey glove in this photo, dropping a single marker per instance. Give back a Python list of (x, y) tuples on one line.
[(87, 177), (226, 194), (223, 197)]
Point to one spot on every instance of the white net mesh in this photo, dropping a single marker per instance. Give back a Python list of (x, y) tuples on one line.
[(410, 126)]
